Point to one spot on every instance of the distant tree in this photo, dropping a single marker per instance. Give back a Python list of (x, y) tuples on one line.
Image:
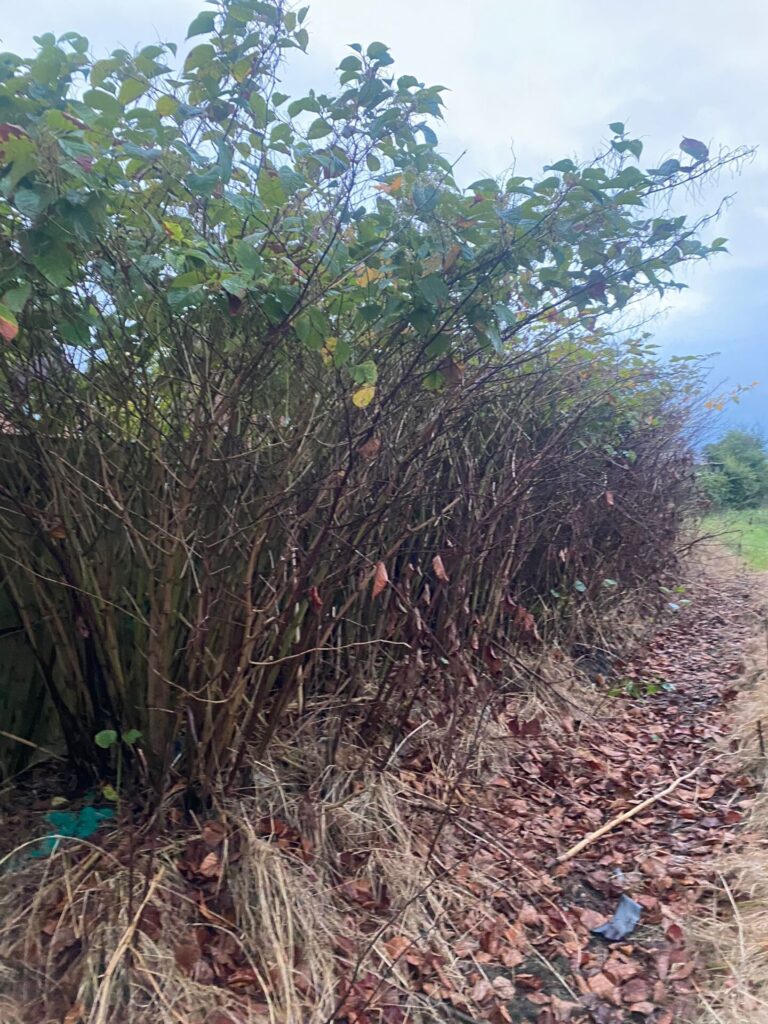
[(737, 470)]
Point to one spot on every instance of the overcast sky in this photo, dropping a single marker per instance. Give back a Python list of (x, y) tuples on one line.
[(533, 82)]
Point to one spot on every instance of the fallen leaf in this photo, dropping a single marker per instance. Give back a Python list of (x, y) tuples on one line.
[(186, 956), (210, 866), (635, 991), (602, 986), (562, 1009), (642, 1007), (504, 988), (590, 918), (528, 915)]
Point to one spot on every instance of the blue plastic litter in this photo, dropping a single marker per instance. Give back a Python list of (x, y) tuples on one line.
[(624, 921), (79, 824)]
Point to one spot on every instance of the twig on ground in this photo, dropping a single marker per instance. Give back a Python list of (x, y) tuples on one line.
[(625, 816), (101, 1008)]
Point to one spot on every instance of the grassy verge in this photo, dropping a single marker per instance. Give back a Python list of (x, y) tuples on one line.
[(744, 532)]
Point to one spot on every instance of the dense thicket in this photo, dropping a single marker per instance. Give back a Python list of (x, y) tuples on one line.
[(288, 415), (736, 470)]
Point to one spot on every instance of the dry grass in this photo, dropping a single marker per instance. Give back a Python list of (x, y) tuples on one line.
[(83, 933), (324, 865), (733, 933)]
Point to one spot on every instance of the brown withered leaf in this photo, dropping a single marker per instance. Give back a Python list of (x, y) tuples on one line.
[(210, 866), (380, 579), (214, 833), (75, 1014), (636, 990), (562, 1009), (439, 569), (504, 988), (450, 257), (528, 915), (601, 985), (186, 955), (370, 448)]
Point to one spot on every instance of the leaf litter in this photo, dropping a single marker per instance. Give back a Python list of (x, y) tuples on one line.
[(600, 937)]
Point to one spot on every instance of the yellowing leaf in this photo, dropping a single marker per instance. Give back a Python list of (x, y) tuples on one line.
[(367, 276), (363, 396), (380, 579), (449, 260), (166, 106), (173, 230), (326, 353), (109, 793), (9, 327), (392, 186)]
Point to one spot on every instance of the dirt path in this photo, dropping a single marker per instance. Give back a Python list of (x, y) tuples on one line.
[(560, 791)]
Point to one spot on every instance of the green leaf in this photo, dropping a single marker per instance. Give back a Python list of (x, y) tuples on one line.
[(312, 328), (696, 149), (131, 736), (308, 103), (31, 201), (98, 99), (302, 38), (377, 51), (203, 184), (351, 63), (580, 586), (433, 288), (105, 739), (248, 255), (205, 22), (54, 262), (16, 298), (258, 106), (562, 166), (271, 191), (630, 177), (667, 169), (102, 69), (365, 373), (434, 381), (131, 90), (617, 127), (319, 129), (201, 54), (110, 793), (167, 106)]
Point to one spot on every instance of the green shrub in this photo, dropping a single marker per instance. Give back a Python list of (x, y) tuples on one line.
[(736, 471), (288, 415)]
